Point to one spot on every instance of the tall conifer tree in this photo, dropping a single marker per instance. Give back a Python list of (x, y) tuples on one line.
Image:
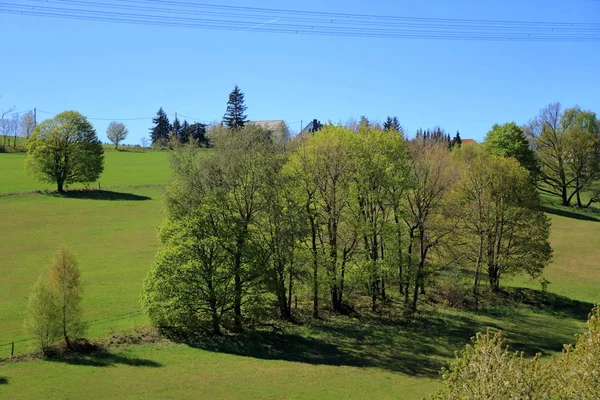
[(234, 117), (159, 133)]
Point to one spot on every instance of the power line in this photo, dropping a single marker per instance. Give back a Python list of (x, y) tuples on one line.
[(238, 18)]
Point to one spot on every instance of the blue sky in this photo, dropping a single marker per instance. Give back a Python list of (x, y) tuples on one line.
[(118, 71)]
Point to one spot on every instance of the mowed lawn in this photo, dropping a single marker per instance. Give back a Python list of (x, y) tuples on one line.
[(121, 168), (114, 238)]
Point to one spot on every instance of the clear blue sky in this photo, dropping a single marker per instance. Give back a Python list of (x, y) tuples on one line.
[(118, 71)]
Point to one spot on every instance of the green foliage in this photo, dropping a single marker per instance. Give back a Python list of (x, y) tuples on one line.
[(508, 140), (54, 309), (486, 369), (567, 149), (65, 150), (42, 320), (577, 372), (234, 117), (65, 282), (501, 218), (189, 286)]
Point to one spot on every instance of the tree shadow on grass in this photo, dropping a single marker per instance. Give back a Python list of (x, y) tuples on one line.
[(550, 303), (100, 195), (418, 348), (587, 215), (104, 359), (3, 380)]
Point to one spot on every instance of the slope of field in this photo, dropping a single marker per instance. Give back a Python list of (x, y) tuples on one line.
[(113, 234), (121, 168)]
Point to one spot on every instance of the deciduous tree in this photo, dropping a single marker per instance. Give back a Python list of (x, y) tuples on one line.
[(65, 282), (116, 133), (509, 140), (65, 150)]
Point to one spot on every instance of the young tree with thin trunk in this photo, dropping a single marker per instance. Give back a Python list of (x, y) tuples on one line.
[(240, 172), (432, 176), (332, 174), (281, 227), (42, 321), (65, 282), (302, 175), (27, 124), (116, 133), (379, 172)]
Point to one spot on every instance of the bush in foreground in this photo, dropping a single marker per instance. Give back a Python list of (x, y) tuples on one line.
[(486, 369)]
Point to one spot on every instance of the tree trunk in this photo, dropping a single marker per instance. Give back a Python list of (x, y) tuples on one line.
[(411, 238), (478, 272), (289, 309), (564, 196), (315, 264), (60, 187), (237, 302), (216, 323)]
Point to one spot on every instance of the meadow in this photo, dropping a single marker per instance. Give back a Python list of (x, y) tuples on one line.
[(113, 234)]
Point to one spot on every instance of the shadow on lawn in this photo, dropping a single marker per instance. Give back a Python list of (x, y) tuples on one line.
[(589, 214), (100, 195), (3, 380), (104, 359), (531, 322), (416, 348)]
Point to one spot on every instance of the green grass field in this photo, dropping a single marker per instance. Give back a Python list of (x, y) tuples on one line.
[(121, 168), (113, 234)]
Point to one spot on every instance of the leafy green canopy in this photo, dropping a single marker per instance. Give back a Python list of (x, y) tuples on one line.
[(65, 150), (508, 140)]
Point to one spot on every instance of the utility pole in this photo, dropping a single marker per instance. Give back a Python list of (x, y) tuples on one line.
[(34, 117)]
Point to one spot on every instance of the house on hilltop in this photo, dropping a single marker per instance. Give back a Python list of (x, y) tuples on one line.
[(312, 127), (277, 126)]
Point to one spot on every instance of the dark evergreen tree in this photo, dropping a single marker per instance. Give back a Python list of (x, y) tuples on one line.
[(457, 141), (392, 124), (364, 122), (159, 133), (184, 136), (198, 134), (234, 117), (176, 129)]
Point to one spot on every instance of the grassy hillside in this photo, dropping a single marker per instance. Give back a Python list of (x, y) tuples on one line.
[(113, 234), (121, 168)]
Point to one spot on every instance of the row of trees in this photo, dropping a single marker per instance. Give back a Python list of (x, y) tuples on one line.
[(14, 127), (164, 132), (486, 369), (342, 213)]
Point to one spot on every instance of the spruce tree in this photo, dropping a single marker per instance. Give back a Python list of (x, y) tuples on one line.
[(176, 129), (184, 135), (159, 133), (198, 134), (234, 117), (392, 124), (457, 141)]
